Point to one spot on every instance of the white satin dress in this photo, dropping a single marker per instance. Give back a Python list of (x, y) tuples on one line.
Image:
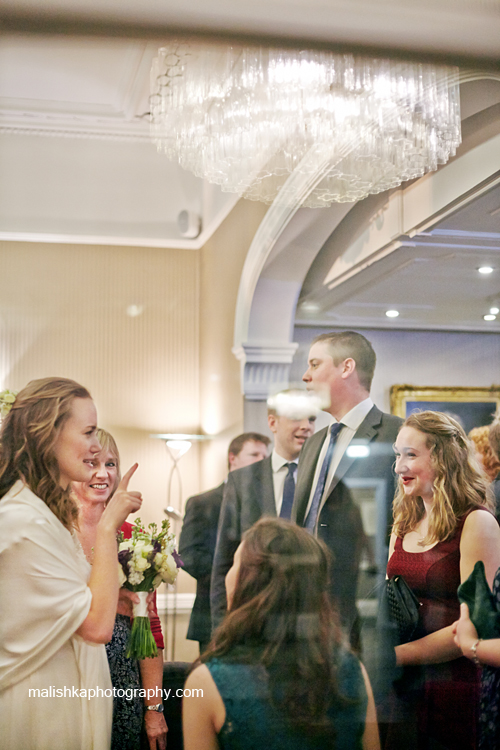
[(44, 599)]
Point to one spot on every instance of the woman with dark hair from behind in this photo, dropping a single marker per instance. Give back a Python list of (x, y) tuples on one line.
[(275, 674)]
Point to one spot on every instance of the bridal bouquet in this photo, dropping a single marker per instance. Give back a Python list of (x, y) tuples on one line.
[(146, 560)]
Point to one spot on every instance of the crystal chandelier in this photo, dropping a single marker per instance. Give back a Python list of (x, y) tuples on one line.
[(247, 118)]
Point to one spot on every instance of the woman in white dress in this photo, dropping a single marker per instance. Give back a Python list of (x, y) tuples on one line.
[(57, 613)]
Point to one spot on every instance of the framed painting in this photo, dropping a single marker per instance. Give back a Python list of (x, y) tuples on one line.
[(472, 407)]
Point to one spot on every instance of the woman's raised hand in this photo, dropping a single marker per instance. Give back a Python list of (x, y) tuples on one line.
[(123, 502)]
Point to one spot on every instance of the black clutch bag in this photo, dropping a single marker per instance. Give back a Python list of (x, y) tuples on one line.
[(403, 608), (483, 608)]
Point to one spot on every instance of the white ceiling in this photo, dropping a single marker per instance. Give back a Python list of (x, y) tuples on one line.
[(77, 165), (433, 282), (77, 160), (457, 27), (431, 279)]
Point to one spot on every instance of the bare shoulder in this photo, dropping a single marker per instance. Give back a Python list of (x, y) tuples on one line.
[(480, 541), (200, 684), (200, 677), (481, 521), (203, 711)]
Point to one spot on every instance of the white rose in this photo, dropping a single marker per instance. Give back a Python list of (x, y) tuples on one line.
[(169, 569), (124, 545), (140, 563), (122, 578), (158, 560), (157, 580)]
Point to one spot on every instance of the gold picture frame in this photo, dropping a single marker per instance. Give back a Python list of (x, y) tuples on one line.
[(473, 406)]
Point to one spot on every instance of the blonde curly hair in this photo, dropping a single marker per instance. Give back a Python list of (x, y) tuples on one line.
[(460, 484), (480, 438)]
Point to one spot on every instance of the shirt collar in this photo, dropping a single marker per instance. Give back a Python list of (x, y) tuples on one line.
[(354, 418), (277, 461)]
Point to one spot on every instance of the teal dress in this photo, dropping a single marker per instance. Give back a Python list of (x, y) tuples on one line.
[(253, 722)]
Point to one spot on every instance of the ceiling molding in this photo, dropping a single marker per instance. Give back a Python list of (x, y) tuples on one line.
[(87, 89), (81, 239), (392, 325), (462, 234), (73, 128), (125, 241)]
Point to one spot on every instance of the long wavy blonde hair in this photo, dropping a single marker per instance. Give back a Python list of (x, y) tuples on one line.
[(460, 484), (27, 440)]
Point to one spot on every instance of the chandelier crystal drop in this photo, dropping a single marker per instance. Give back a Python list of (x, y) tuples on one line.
[(247, 118)]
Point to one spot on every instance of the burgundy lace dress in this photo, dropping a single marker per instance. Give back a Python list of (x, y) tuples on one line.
[(447, 698)]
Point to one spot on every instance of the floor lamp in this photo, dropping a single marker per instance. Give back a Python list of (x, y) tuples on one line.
[(177, 445)]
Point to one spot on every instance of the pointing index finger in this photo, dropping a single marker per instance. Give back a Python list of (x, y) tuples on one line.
[(127, 477)]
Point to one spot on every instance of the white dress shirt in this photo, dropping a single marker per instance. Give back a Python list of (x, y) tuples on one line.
[(351, 421), (280, 470)]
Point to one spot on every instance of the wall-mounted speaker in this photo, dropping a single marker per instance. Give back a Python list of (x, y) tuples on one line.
[(189, 224)]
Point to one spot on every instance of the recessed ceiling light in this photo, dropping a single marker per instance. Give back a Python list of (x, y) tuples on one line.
[(392, 313), (310, 306), (490, 317), (134, 310), (485, 269), (494, 310)]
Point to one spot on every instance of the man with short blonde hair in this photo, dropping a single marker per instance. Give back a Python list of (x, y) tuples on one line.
[(264, 489)]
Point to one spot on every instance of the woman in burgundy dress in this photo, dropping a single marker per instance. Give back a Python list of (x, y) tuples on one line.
[(442, 527)]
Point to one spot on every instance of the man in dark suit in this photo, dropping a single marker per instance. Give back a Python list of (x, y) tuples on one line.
[(199, 532), (264, 489), (356, 446)]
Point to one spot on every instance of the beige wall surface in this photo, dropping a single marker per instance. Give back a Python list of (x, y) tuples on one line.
[(221, 400), (63, 312), (170, 369)]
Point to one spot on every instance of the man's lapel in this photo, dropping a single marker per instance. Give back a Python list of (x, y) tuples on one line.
[(366, 432), (307, 466), (266, 499)]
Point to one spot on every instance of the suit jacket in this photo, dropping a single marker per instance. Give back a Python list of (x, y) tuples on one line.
[(248, 495), (196, 548), (339, 521)]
